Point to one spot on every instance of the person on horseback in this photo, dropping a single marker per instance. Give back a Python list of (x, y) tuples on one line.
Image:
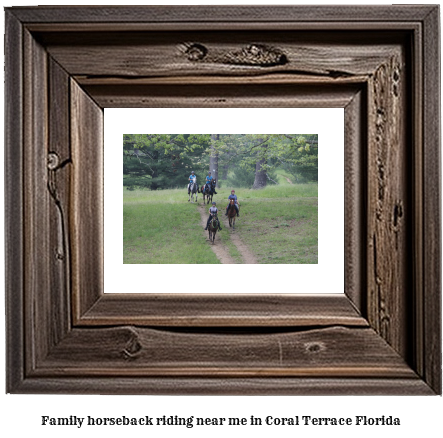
[(209, 180), (212, 210), (192, 179), (234, 197)]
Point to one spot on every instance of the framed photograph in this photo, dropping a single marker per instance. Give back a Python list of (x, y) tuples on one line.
[(378, 332), (174, 182), (292, 230)]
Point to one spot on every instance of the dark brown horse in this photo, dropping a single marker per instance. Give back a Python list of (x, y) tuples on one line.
[(232, 213), (207, 191), (213, 227)]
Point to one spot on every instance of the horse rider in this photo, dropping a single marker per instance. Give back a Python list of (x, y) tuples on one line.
[(234, 197), (209, 182), (192, 179), (212, 210)]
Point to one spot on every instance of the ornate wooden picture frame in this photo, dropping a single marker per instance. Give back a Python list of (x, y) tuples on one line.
[(65, 64)]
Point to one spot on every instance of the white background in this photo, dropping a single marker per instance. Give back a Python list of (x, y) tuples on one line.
[(325, 277), (20, 414)]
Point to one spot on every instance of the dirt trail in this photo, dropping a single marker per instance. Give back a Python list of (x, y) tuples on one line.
[(287, 179), (247, 256), (220, 251)]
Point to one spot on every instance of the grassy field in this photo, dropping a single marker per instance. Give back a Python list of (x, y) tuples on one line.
[(279, 224), (161, 227)]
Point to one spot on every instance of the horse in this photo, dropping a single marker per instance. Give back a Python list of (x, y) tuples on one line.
[(208, 191), (232, 213), (202, 191), (192, 188), (211, 190), (213, 227)]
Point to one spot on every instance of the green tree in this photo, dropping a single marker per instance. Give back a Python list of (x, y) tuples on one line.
[(298, 153), (163, 160), (166, 160), (301, 158)]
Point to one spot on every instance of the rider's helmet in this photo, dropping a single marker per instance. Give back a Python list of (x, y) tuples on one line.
[(192, 172), (209, 173), (232, 191), (213, 203)]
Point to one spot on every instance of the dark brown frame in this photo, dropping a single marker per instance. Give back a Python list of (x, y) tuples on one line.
[(64, 65)]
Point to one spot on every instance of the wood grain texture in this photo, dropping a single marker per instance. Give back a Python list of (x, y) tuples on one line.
[(388, 259), (161, 54), (86, 208), (231, 26), (225, 14), (14, 239), (226, 96), (432, 335), (59, 166), (355, 195), (205, 310), (38, 309), (129, 351), (385, 340), (288, 386), (417, 98)]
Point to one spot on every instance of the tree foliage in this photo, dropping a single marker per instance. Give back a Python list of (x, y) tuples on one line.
[(163, 160), (296, 153), (166, 160)]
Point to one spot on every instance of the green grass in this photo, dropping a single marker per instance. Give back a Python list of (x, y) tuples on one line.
[(278, 223), (281, 231), (283, 176), (162, 227), (225, 240)]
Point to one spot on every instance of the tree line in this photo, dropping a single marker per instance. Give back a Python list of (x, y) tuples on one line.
[(161, 161)]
